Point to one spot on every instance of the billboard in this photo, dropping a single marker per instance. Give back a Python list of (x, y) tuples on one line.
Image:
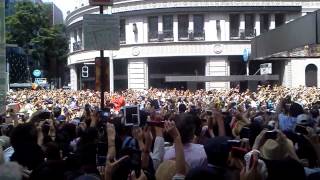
[(100, 2), (101, 32)]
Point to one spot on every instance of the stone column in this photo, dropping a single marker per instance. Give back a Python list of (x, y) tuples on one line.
[(272, 21), (190, 29), (175, 28), (138, 74), (242, 25), (72, 40), (217, 66), (73, 77), (287, 75), (257, 24)]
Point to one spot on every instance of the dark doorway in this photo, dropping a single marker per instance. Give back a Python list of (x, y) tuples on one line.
[(179, 66), (311, 75)]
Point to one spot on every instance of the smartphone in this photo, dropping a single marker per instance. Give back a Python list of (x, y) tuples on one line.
[(44, 115), (156, 123), (271, 135), (101, 154), (132, 116), (301, 129), (245, 133), (234, 143)]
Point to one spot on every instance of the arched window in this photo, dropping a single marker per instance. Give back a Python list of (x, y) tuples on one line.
[(311, 75)]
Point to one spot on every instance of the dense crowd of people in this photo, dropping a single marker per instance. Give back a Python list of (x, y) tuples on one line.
[(269, 134)]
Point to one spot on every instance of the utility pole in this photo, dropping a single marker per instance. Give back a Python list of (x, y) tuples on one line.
[(3, 66)]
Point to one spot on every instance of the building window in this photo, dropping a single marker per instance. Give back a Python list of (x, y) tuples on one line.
[(264, 23), (279, 19), (183, 26), (122, 31), (167, 27), (234, 26), (311, 74), (153, 28), (249, 25), (198, 26), (218, 27)]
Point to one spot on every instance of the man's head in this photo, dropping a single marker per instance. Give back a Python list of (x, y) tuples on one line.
[(186, 125)]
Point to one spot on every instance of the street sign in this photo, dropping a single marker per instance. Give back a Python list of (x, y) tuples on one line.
[(41, 81), (36, 73), (100, 2), (101, 32), (266, 68), (246, 54)]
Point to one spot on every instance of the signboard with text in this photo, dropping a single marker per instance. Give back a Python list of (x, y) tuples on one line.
[(101, 32), (100, 2), (266, 68)]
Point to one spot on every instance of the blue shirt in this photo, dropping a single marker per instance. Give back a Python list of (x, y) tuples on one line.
[(286, 123)]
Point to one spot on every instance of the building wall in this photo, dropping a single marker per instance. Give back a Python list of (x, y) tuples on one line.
[(298, 70), (216, 46)]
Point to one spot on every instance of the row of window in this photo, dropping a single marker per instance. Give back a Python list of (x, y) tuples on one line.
[(198, 33), (249, 30)]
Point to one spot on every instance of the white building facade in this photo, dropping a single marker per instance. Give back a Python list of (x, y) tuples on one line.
[(184, 37)]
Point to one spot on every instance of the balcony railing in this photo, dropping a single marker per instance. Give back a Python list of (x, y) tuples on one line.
[(122, 38), (77, 46), (153, 36), (249, 33), (168, 35), (199, 35), (234, 34)]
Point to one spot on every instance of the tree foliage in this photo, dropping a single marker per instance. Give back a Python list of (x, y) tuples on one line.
[(29, 27)]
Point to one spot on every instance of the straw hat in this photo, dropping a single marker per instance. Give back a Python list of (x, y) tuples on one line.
[(277, 150)]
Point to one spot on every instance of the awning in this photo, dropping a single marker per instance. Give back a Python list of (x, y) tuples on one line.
[(298, 38)]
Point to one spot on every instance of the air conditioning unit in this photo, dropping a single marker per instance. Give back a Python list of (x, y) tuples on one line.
[(191, 35)]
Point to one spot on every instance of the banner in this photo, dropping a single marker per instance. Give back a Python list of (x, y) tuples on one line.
[(102, 67)]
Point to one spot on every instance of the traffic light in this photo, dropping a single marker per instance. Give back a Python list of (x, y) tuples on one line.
[(85, 71)]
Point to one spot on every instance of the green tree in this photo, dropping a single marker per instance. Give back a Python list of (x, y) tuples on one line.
[(30, 29)]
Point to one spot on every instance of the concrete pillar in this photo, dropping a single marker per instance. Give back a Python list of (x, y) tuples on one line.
[(72, 40), (210, 28), (175, 28), (242, 25), (287, 75), (223, 30), (160, 24), (272, 21), (227, 28), (73, 77), (257, 24), (217, 66), (191, 29), (138, 74), (145, 30)]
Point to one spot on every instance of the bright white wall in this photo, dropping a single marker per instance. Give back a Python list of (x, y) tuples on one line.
[(298, 70)]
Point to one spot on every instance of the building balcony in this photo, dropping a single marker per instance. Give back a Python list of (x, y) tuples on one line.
[(77, 46)]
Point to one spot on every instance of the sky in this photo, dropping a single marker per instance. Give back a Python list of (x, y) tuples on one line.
[(66, 5)]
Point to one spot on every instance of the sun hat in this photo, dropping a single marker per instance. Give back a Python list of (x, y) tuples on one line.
[(277, 149)]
